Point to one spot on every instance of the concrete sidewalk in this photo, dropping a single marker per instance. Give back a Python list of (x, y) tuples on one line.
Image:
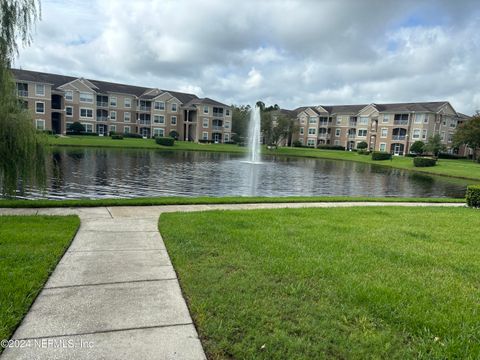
[(115, 294)]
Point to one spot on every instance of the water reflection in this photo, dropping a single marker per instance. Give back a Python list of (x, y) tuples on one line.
[(98, 173)]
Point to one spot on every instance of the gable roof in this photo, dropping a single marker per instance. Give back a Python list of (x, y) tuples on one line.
[(408, 107)]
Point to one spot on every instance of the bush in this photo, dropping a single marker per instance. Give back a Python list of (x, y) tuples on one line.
[(130, 135), (381, 155), (473, 196), (331, 147), (363, 152), (362, 145), (117, 137), (450, 156), (417, 147), (173, 134), (230, 142), (82, 133), (76, 128), (165, 141), (424, 162), (297, 143)]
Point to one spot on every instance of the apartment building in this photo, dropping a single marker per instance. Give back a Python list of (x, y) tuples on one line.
[(57, 101), (384, 127)]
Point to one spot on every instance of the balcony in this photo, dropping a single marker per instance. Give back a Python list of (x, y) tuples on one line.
[(102, 103), (22, 93), (398, 137), (323, 135), (102, 118), (144, 122), (218, 115), (144, 108), (217, 128), (400, 122), (351, 136), (352, 123)]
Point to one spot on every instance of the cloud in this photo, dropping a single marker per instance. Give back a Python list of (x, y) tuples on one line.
[(289, 52)]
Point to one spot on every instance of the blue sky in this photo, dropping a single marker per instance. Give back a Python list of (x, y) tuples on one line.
[(292, 52)]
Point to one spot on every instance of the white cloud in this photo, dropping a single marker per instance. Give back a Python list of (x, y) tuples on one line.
[(290, 52)]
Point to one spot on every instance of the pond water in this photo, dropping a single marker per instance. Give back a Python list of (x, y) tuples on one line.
[(125, 173)]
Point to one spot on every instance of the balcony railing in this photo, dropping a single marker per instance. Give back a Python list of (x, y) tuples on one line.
[(102, 103), (351, 136), (145, 108), (398, 137), (323, 136), (102, 118), (144, 122), (218, 128), (22, 92), (400, 122), (352, 123), (217, 114), (323, 123)]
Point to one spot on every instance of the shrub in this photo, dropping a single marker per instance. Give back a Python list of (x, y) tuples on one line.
[(362, 145), (111, 133), (381, 155), (417, 147), (117, 137), (297, 143), (230, 142), (424, 162), (331, 147), (82, 133), (165, 141), (473, 196), (173, 134), (363, 152), (450, 156), (130, 135), (76, 128)]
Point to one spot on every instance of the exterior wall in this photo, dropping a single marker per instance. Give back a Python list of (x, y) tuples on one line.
[(223, 129)]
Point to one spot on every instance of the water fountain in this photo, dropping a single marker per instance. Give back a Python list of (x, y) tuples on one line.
[(254, 136)]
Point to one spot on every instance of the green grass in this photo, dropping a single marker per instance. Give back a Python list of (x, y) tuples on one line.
[(343, 283), (30, 248), (207, 200), (464, 169)]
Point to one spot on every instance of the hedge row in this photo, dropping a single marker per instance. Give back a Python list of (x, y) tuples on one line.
[(424, 162), (450, 156), (473, 196), (381, 155), (165, 141)]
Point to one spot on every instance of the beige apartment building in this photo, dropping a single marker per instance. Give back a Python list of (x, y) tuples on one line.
[(384, 127), (58, 101)]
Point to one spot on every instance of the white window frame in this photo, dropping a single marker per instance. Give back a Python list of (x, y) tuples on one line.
[(362, 130), (112, 101), (67, 96), (205, 123), (312, 119), (127, 116), (382, 135), (68, 124), (205, 135), (174, 107), (86, 112), (161, 105), (226, 137), (88, 126), (42, 93), (416, 136), (161, 119), (336, 142), (125, 128), (226, 125), (114, 117), (302, 131), (363, 120), (227, 112), (37, 121), (113, 128), (386, 119), (36, 109), (66, 112), (88, 94), (424, 134), (384, 145), (205, 107), (158, 132), (310, 142), (312, 131), (339, 120), (173, 120), (127, 103), (338, 132)]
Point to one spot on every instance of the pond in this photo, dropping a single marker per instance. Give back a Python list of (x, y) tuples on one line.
[(125, 173)]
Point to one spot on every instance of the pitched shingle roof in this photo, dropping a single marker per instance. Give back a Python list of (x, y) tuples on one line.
[(407, 107)]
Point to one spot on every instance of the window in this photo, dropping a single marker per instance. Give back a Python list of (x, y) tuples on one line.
[(205, 123), (425, 119), (86, 97), (69, 95), (86, 113), (336, 142), (384, 132), (69, 111), (205, 109), (453, 124), (419, 118), (443, 135), (173, 120), (416, 134), (88, 127), (362, 132), (126, 116), (126, 129), (159, 105), (40, 107), (174, 107), (383, 146), (302, 131), (113, 115), (159, 119), (127, 102), (337, 132), (424, 134), (39, 89), (204, 135), (450, 137), (401, 117), (310, 142), (312, 120), (386, 119), (227, 125), (226, 137), (363, 120), (113, 101), (227, 113), (113, 128), (68, 124), (339, 120), (40, 124), (312, 131), (158, 132)]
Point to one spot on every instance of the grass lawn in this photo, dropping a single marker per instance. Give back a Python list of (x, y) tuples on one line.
[(30, 248), (453, 168), (208, 200), (346, 283)]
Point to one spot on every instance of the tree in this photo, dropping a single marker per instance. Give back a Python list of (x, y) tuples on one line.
[(240, 120), (434, 145), (362, 145), (77, 128), (22, 150), (468, 134), (417, 147)]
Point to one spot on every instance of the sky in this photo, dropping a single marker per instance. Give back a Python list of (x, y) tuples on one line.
[(287, 52)]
